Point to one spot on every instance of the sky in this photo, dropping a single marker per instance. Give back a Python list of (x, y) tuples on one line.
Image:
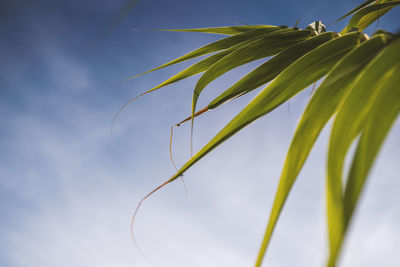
[(68, 188)]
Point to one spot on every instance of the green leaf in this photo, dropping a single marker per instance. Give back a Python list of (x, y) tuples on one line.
[(217, 46), (229, 30), (196, 68), (200, 66), (363, 18), (347, 125), (385, 110), (321, 108), (356, 9), (270, 69), (268, 45), (292, 80)]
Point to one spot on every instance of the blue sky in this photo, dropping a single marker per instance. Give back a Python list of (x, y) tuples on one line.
[(68, 189)]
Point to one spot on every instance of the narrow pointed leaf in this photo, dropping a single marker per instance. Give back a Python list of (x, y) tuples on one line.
[(229, 30), (363, 18), (270, 69), (321, 108), (291, 81), (385, 110), (346, 127), (268, 45), (200, 66), (356, 9), (217, 46)]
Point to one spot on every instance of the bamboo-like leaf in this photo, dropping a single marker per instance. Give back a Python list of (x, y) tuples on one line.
[(228, 30), (385, 110), (361, 88), (346, 127), (270, 69), (363, 18), (194, 69), (303, 72), (217, 46), (366, 3), (321, 108), (268, 45), (200, 66), (291, 81), (367, 20)]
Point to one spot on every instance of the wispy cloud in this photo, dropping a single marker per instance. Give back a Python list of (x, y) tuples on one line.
[(68, 188)]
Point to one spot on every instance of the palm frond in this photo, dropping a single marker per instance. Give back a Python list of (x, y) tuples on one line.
[(320, 109), (303, 72), (270, 69), (360, 91)]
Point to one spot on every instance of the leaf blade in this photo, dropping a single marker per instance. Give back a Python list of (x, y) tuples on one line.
[(215, 46), (242, 119), (363, 18), (320, 109), (383, 114), (270, 69), (199, 67), (347, 125), (366, 3), (266, 46)]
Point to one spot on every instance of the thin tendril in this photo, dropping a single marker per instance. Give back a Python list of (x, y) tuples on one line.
[(173, 162), (121, 108), (191, 136), (170, 149), (134, 217)]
